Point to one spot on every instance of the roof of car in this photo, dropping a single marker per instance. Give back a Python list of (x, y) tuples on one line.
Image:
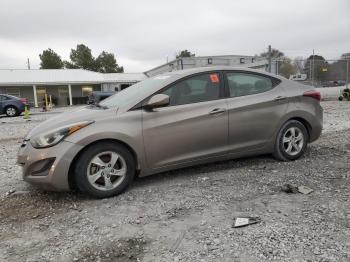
[(191, 71), (9, 96)]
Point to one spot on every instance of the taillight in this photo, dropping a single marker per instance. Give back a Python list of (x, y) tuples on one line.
[(23, 100), (313, 94)]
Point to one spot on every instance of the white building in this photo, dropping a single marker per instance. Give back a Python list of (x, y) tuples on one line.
[(66, 86)]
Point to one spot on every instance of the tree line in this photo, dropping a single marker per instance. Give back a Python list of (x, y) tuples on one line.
[(81, 57)]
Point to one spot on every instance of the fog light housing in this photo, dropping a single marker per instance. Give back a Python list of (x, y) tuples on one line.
[(41, 167)]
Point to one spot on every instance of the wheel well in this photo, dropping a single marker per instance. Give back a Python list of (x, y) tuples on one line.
[(11, 106), (305, 123), (73, 163)]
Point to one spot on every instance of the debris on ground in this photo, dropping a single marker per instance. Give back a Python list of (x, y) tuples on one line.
[(245, 221), (305, 190), (10, 192), (289, 189)]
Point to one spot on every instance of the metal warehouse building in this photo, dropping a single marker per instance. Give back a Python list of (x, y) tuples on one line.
[(66, 86), (203, 61)]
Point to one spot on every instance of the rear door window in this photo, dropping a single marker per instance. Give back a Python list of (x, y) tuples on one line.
[(243, 84)]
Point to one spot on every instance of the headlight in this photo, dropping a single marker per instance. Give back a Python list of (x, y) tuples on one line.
[(55, 136)]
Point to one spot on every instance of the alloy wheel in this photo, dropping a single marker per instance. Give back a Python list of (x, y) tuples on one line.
[(106, 170), (293, 141), (11, 111)]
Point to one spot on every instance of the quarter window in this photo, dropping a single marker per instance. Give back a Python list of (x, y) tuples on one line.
[(199, 88), (243, 84)]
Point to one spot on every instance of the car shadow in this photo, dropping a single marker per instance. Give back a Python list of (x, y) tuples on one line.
[(256, 162)]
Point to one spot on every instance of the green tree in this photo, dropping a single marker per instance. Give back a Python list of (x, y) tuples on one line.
[(275, 53), (81, 57), (106, 63), (317, 66), (50, 60), (70, 65), (286, 67), (184, 53)]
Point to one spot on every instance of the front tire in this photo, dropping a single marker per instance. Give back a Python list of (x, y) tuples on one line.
[(291, 141), (104, 169), (11, 111)]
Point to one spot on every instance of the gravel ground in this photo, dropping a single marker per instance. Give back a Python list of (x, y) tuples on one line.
[(187, 215)]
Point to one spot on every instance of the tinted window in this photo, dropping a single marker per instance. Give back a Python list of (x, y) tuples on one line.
[(6, 98), (199, 88), (242, 84)]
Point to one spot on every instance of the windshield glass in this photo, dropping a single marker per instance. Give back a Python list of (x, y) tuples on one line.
[(134, 93)]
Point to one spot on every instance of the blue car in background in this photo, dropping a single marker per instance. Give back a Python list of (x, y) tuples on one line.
[(11, 105)]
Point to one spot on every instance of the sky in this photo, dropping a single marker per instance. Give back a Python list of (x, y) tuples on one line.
[(144, 34)]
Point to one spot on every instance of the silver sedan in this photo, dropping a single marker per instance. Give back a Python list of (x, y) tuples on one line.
[(171, 121)]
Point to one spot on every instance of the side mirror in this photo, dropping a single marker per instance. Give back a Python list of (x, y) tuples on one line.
[(158, 100)]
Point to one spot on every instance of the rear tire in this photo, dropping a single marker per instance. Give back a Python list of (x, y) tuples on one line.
[(291, 141), (11, 111), (104, 169)]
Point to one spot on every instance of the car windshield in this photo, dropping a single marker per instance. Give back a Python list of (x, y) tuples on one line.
[(134, 93)]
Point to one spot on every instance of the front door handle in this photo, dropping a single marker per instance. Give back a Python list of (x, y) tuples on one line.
[(217, 111), (279, 98)]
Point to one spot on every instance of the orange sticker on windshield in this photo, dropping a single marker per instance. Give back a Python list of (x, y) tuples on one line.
[(214, 78)]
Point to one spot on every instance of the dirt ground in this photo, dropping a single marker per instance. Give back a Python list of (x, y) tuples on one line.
[(187, 215)]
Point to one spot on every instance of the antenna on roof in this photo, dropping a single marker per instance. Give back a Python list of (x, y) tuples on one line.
[(28, 63)]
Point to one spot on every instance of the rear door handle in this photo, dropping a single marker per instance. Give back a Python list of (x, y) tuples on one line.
[(279, 98), (217, 111)]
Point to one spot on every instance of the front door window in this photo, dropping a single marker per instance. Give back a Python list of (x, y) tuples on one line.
[(199, 88)]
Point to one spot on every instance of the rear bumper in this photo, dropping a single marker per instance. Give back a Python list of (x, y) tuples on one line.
[(317, 124), (48, 167), (21, 108), (315, 133)]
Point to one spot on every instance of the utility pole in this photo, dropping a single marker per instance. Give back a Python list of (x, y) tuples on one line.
[(347, 73), (269, 59), (28, 63), (313, 66)]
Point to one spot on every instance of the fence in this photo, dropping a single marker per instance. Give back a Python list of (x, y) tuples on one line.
[(314, 71)]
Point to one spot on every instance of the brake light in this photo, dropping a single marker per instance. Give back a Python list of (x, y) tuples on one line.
[(23, 100), (313, 94)]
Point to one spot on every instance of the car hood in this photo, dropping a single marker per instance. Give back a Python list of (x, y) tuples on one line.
[(73, 116)]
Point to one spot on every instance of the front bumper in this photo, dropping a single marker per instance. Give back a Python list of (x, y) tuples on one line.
[(47, 167)]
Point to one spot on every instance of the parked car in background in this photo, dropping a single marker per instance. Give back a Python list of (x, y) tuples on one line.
[(298, 77), (11, 105), (97, 96), (170, 121), (334, 83)]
